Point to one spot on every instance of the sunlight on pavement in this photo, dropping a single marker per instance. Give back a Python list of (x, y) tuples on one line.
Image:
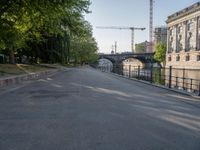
[(182, 121), (183, 97)]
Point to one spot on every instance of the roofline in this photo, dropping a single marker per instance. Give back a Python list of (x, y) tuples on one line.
[(186, 11)]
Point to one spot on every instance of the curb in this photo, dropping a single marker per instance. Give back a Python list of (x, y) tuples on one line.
[(21, 78)]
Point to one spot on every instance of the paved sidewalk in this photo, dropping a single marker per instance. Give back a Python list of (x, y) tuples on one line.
[(7, 81)]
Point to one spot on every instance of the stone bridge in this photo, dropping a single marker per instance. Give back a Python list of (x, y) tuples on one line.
[(145, 58)]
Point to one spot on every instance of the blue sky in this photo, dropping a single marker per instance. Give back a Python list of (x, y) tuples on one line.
[(128, 13)]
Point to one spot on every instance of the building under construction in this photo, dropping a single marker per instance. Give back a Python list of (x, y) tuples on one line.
[(160, 34)]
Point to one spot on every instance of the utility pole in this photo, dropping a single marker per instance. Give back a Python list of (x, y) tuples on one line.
[(125, 28)]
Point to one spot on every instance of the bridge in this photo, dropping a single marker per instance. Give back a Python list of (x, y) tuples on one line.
[(145, 58)]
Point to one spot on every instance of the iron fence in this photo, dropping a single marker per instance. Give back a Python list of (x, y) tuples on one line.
[(179, 78)]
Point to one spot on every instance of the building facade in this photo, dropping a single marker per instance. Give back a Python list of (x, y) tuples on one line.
[(160, 35), (142, 47), (183, 38)]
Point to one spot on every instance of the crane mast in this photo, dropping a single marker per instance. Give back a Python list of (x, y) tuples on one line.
[(151, 26), (124, 28)]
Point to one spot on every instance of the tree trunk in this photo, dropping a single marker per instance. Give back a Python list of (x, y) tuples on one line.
[(12, 56)]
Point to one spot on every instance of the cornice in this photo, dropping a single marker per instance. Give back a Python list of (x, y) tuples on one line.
[(185, 12)]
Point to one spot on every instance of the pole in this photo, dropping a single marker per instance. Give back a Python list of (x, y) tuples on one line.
[(151, 25), (170, 76), (115, 47), (132, 40), (199, 89), (129, 70)]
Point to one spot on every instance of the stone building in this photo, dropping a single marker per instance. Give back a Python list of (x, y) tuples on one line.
[(183, 38), (183, 47)]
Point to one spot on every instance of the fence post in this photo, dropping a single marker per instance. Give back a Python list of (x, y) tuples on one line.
[(176, 82), (151, 75), (122, 70), (118, 68), (129, 71), (159, 80), (138, 72), (170, 76), (183, 78), (191, 84), (113, 68), (199, 89)]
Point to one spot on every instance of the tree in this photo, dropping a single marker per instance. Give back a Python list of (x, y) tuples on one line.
[(140, 48), (160, 53), (45, 29)]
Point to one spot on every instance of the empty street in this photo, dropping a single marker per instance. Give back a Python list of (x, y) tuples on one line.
[(85, 109)]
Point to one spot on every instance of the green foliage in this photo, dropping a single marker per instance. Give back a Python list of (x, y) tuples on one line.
[(84, 51), (140, 48), (45, 30), (160, 52), (158, 76)]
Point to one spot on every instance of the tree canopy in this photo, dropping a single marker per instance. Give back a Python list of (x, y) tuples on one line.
[(140, 48), (160, 53), (46, 30)]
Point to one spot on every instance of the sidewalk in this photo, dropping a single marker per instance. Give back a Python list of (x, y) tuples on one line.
[(6, 81)]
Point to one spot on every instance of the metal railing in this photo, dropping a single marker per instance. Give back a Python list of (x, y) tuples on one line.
[(179, 78)]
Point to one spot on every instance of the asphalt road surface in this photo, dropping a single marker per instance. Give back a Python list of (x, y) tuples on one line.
[(85, 109)]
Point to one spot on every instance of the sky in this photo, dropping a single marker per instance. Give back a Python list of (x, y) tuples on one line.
[(130, 13)]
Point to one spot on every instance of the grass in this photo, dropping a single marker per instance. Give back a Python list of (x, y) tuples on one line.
[(18, 69)]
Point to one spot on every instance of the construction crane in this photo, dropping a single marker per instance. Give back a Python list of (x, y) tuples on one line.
[(151, 26), (124, 28)]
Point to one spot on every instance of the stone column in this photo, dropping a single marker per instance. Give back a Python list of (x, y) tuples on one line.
[(176, 38), (197, 34), (185, 35), (195, 31), (168, 40), (182, 37)]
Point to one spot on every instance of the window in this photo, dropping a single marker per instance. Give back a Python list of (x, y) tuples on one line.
[(178, 58), (179, 29), (187, 58), (169, 58), (189, 42), (198, 57), (198, 42), (170, 48), (190, 26), (199, 23), (171, 31), (179, 44)]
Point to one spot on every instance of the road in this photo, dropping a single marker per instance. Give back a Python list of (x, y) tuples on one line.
[(85, 109)]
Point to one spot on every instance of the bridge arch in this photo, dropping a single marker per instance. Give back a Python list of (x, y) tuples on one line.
[(106, 64), (108, 58), (133, 62), (117, 59)]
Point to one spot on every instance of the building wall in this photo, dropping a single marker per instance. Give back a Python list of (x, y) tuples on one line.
[(183, 47), (183, 40)]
